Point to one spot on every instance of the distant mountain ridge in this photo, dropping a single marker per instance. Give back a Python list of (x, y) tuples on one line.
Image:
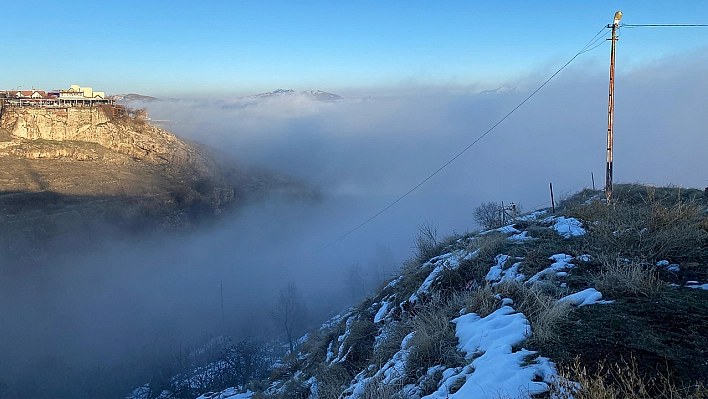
[(133, 97), (504, 89), (317, 95)]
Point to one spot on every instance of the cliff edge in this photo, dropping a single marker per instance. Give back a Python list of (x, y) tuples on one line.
[(69, 169)]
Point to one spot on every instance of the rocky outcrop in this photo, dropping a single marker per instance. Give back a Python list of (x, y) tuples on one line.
[(124, 135), (89, 170)]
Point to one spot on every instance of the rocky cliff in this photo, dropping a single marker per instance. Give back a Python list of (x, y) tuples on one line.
[(66, 168), (99, 125)]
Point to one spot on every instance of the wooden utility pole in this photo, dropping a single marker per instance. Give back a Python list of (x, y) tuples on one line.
[(611, 109)]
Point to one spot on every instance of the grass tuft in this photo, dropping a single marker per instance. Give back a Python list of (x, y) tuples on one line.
[(633, 278)]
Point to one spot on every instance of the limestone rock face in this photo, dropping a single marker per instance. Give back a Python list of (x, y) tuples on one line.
[(80, 169), (94, 125)]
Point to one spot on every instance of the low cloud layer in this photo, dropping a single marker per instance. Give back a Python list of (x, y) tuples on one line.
[(104, 306)]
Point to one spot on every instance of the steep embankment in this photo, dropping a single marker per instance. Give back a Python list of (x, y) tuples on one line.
[(526, 308), (68, 170)]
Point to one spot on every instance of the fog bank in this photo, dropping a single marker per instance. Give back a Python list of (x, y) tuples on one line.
[(106, 307)]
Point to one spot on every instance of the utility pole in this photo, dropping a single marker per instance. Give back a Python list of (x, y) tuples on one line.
[(611, 109)]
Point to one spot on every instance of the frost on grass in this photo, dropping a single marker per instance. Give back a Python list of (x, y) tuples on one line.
[(585, 297), (497, 370)]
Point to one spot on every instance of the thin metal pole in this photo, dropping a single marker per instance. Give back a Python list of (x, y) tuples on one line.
[(553, 201), (611, 116), (502, 215), (592, 175), (221, 287)]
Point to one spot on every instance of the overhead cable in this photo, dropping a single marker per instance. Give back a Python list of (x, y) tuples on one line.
[(585, 49)]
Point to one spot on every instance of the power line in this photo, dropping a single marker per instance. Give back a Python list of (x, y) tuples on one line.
[(585, 48), (661, 25)]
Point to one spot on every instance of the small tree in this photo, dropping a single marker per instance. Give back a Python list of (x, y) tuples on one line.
[(488, 215), (290, 312)]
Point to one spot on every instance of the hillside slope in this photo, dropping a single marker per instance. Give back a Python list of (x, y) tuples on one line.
[(615, 297)]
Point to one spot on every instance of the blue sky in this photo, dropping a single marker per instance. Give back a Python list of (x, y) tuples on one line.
[(244, 47)]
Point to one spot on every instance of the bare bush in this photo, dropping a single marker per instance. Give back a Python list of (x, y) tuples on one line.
[(426, 241), (488, 215)]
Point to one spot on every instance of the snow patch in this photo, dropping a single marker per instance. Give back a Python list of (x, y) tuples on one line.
[(385, 307), (497, 370), (561, 264), (696, 285), (228, 393), (450, 260), (532, 216), (585, 297), (672, 267), (568, 227), (519, 238), (497, 274), (509, 229)]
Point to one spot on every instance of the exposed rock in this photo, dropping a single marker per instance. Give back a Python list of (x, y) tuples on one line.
[(83, 169)]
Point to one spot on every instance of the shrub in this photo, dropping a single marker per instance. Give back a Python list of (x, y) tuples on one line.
[(426, 242), (488, 215)]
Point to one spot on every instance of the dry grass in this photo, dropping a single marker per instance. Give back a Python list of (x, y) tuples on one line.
[(482, 301), (359, 343), (434, 342), (488, 245), (543, 311), (647, 221), (388, 346), (620, 381), (332, 380), (377, 389), (633, 278)]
